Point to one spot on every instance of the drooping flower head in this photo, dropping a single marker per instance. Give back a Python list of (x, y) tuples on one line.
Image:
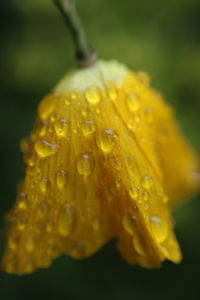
[(105, 160)]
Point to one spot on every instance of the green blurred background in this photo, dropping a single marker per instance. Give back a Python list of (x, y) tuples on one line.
[(160, 37)]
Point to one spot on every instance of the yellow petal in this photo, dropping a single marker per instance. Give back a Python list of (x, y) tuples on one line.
[(96, 169), (154, 127)]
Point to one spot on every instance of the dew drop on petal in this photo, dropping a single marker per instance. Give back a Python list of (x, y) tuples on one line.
[(145, 195), (44, 148), (146, 182), (106, 140), (133, 193), (30, 160), (61, 127), (53, 117), (85, 164), (42, 128), (21, 201), (112, 90), (66, 220), (61, 179), (92, 95), (132, 102), (44, 183), (21, 223), (88, 127), (159, 228)]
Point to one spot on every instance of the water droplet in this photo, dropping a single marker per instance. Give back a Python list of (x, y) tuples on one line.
[(133, 102), (61, 127), (138, 246), (29, 159), (46, 107), (106, 140), (133, 193), (85, 164), (45, 149), (88, 127), (146, 182), (112, 90), (129, 223), (21, 201), (92, 95), (30, 244), (21, 223), (53, 117), (159, 228), (66, 220), (134, 209), (44, 183), (61, 179), (145, 195), (118, 182), (42, 128)]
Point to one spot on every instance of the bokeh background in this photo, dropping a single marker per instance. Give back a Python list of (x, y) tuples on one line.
[(160, 37)]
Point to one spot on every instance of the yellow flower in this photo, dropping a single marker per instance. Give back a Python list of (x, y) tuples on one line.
[(105, 160)]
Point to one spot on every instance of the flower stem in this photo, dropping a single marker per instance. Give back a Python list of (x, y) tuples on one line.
[(84, 53)]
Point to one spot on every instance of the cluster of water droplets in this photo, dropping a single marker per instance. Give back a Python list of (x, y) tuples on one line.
[(106, 141), (141, 196)]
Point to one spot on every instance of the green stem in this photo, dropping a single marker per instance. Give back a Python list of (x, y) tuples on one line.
[(84, 53)]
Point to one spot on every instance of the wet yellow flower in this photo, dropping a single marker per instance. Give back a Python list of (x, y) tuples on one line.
[(105, 160)]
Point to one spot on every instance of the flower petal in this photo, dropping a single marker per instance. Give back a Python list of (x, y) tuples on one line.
[(153, 125), (100, 164)]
